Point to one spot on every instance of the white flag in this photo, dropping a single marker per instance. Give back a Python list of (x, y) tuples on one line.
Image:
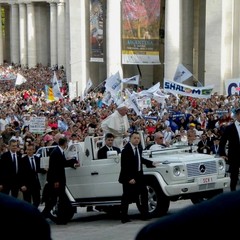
[(20, 79), (181, 74), (132, 80), (113, 84), (88, 86), (56, 90), (132, 102), (107, 98), (149, 92)]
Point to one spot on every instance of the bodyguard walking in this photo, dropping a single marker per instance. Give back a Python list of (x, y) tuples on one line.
[(56, 181), (132, 179), (231, 139), (9, 166), (28, 174)]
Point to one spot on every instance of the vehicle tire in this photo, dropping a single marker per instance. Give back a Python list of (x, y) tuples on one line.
[(65, 215), (206, 196), (158, 202)]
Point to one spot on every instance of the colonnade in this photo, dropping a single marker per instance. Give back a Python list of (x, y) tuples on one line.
[(203, 35), (34, 33)]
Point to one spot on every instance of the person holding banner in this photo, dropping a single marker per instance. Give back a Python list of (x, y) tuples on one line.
[(117, 123)]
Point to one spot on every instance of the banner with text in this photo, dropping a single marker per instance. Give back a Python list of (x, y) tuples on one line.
[(140, 31), (96, 30), (232, 86), (186, 90)]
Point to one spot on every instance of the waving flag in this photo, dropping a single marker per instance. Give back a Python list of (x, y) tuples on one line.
[(55, 86), (132, 80), (88, 86), (49, 93), (132, 102), (181, 74), (20, 79)]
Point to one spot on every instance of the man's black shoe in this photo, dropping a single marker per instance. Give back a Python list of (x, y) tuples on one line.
[(49, 215), (125, 220)]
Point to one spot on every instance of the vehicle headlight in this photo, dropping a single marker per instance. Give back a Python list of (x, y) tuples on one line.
[(221, 165), (176, 171)]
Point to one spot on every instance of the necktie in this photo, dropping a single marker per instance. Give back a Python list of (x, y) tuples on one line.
[(33, 164), (14, 162), (137, 158), (136, 153)]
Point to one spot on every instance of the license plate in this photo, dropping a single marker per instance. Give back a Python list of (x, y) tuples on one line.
[(206, 180)]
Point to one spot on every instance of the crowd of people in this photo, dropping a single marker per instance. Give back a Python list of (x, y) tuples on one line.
[(199, 123), (80, 116)]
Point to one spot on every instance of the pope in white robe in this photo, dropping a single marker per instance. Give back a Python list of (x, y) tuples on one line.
[(117, 123)]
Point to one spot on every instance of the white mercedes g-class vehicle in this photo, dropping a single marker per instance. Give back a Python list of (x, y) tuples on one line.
[(180, 174)]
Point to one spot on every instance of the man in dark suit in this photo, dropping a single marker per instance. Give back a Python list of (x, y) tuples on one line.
[(131, 177), (9, 166), (204, 145), (56, 180), (231, 136), (28, 174), (222, 210), (102, 152), (17, 215)]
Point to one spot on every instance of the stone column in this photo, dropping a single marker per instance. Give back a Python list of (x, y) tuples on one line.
[(187, 35), (23, 33), (77, 66), (14, 34), (213, 47), (31, 36), (53, 33), (61, 34), (173, 29), (236, 38), (113, 37), (1, 38), (6, 50)]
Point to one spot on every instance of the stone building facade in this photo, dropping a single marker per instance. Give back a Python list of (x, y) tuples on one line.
[(203, 35)]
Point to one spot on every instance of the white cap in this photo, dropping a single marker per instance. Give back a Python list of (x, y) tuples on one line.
[(121, 105)]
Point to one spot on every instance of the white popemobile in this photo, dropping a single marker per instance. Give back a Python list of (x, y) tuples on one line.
[(180, 174)]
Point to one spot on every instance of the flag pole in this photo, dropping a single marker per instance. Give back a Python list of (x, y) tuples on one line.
[(98, 85), (197, 80)]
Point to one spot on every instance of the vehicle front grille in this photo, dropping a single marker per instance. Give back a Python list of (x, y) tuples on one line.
[(201, 168)]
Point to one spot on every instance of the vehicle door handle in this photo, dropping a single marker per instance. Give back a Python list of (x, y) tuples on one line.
[(94, 173)]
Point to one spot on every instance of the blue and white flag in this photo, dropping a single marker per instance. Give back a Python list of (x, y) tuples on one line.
[(88, 86), (181, 74), (56, 89), (132, 102), (132, 80), (150, 91), (113, 84)]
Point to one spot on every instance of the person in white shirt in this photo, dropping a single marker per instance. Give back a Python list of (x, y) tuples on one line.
[(168, 134), (158, 142), (3, 121), (117, 123)]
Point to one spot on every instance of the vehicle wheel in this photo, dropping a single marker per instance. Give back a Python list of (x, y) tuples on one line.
[(206, 196), (158, 203), (65, 216)]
